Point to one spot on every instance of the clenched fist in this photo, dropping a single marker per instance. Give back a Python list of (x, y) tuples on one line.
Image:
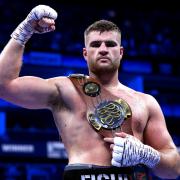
[(41, 19)]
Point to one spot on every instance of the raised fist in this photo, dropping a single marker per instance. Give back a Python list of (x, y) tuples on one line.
[(41, 19)]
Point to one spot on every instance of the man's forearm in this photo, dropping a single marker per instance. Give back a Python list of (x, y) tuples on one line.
[(10, 61), (169, 165), (39, 20)]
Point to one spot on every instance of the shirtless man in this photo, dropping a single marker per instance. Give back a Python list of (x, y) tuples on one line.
[(91, 151)]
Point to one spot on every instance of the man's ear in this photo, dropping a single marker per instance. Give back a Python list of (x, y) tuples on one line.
[(121, 51), (85, 53)]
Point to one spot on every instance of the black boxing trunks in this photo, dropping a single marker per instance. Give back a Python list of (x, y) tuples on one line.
[(94, 172)]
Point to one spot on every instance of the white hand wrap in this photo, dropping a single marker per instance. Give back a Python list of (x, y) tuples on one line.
[(26, 28), (130, 151)]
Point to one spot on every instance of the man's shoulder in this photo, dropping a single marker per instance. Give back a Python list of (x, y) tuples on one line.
[(66, 78), (145, 96), (65, 87), (62, 83), (140, 95), (59, 80), (148, 99)]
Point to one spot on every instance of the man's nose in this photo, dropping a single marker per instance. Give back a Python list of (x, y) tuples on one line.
[(103, 49)]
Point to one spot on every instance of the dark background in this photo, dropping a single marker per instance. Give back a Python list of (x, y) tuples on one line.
[(30, 145)]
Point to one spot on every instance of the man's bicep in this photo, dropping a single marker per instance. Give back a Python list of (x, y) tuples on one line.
[(156, 133), (29, 92)]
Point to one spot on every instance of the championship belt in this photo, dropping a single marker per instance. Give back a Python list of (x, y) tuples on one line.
[(106, 112)]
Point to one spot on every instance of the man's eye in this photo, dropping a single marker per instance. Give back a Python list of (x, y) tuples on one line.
[(110, 44), (95, 44)]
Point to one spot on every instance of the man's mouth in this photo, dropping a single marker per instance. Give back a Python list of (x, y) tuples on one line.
[(103, 58)]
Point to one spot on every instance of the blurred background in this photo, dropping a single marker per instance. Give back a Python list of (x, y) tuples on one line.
[(30, 147)]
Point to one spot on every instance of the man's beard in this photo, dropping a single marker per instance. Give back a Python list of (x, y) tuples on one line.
[(98, 69)]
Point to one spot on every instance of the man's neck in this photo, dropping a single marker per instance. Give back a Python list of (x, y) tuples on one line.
[(108, 80)]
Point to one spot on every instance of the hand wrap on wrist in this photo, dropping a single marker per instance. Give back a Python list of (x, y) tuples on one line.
[(26, 28), (130, 151)]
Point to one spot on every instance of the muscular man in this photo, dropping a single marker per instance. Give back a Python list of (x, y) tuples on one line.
[(88, 109)]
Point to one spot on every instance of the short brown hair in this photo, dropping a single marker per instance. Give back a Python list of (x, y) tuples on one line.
[(102, 26)]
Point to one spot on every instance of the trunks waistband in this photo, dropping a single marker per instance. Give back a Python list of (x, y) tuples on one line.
[(95, 172)]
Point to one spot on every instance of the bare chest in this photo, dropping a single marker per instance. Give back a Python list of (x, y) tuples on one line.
[(134, 125), (78, 106), (138, 121)]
